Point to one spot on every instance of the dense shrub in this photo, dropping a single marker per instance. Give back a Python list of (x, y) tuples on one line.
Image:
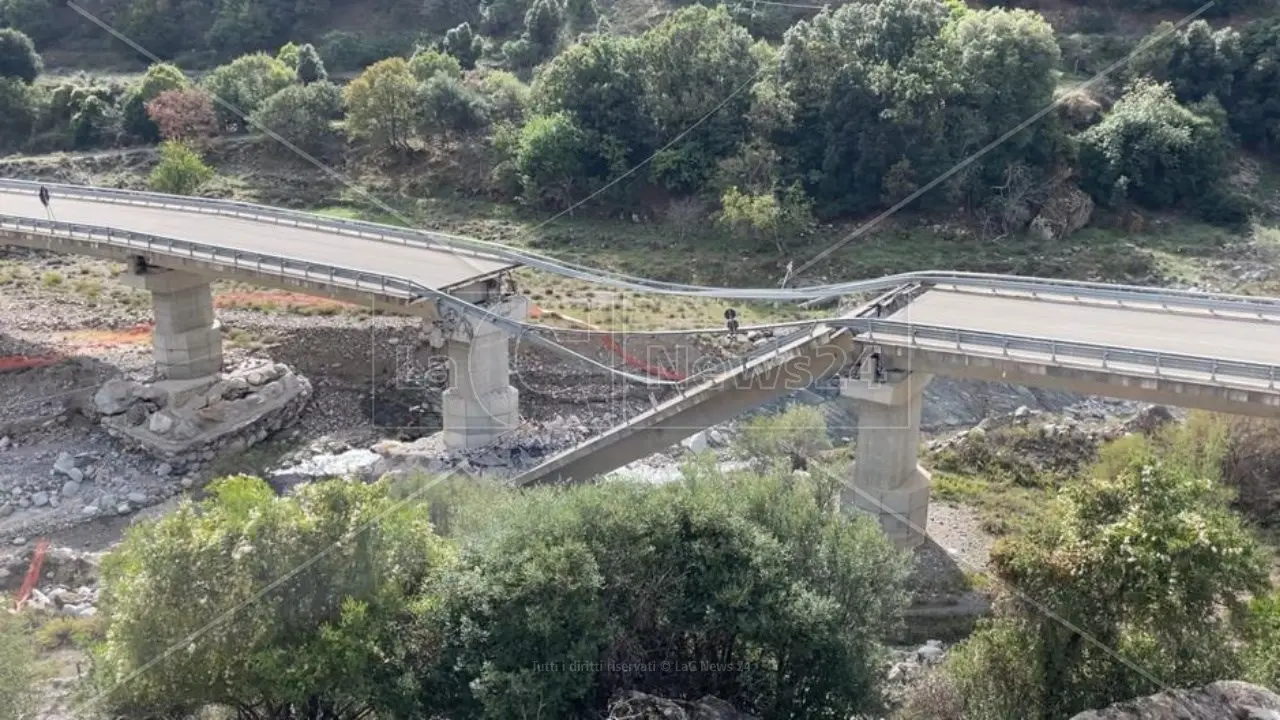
[(426, 63), (309, 68), (244, 84), (17, 113), (302, 114), (446, 106), (1152, 150), (1138, 573), (19, 692), (18, 58), (185, 114), (180, 172), (464, 45), (750, 590), (158, 78), (309, 642)]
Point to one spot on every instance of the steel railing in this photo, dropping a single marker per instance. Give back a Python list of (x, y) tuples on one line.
[(429, 240), (1108, 357), (1157, 363)]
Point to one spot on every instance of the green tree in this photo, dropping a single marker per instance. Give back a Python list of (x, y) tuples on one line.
[(302, 114), (17, 113), (692, 62), (310, 68), (90, 122), (19, 693), (1153, 150), (158, 78), (180, 171), (506, 96), (500, 17), (870, 84), (1262, 637), (426, 63), (555, 159), (311, 646), (1144, 557), (446, 106), (288, 54), (598, 82), (382, 104), (18, 58), (1005, 64), (1197, 60), (41, 20), (793, 438), (244, 84), (756, 574), (1255, 104), (542, 25), (464, 45)]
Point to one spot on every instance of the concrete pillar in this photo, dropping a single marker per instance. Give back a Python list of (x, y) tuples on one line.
[(187, 338), (888, 481), (480, 404)]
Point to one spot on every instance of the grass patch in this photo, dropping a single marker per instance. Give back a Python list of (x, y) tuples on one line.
[(64, 631), (51, 279), (1003, 508)]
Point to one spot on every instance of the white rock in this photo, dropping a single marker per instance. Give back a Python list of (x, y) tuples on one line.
[(89, 510), (19, 541), (696, 442), (64, 464), (188, 482), (164, 469), (40, 499), (123, 508), (5, 442), (160, 423), (70, 488), (137, 498)]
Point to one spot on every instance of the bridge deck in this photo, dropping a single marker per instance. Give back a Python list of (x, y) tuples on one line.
[(440, 270), (1098, 322)]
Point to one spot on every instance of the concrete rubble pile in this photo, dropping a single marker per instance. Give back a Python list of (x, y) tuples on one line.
[(185, 421), (522, 448)]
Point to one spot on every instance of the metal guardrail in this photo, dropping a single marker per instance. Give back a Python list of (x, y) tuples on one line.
[(262, 213), (403, 288), (235, 259), (428, 240), (1160, 363)]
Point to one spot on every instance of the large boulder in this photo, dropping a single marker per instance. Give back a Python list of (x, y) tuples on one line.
[(1227, 700)]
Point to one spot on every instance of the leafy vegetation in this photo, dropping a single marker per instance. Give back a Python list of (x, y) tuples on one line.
[(1139, 570), (180, 172), (18, 672), (750, 588)]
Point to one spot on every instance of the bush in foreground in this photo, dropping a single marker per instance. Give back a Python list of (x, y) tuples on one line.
[(18, 674), (749, 590), (278, 607), (1139, 576)]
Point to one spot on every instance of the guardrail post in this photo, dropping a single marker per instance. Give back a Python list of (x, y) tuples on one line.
[(1004, 347), (1053, 351), (1104, 358), (1213, 371), (957, 339), (1157, 364), (1272, 374)]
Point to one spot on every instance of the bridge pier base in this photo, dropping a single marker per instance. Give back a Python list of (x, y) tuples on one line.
[(187, 338), (888, 481), (480, 404)]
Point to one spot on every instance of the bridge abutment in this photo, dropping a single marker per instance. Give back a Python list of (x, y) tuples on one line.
[(187, 338), (480, 404), (888, 481)]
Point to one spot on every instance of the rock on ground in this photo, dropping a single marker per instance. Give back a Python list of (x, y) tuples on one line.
[(1227, 700)]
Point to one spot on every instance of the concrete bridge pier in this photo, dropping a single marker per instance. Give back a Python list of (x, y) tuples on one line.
[(187, 338), (888, 481), (480, 404)]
